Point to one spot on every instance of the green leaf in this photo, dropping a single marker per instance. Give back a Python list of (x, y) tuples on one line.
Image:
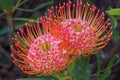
[(24, 19), (70, 68), (17, 25), (18, 4), (113, 22), (40, 6), (107, 72), (41, 78), (3, 30), (81, 69), (6, 4), (99, 58), (115, 37), (103, 77), (115, 11)]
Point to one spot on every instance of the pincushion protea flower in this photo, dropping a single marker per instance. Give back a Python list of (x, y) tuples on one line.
[(39, 53), (82, 26)]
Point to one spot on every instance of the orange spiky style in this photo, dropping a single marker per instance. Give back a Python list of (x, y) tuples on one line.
[(84, 27), (69, 30), (38, 52)]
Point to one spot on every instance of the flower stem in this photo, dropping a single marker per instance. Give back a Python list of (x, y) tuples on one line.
[(10, 24)]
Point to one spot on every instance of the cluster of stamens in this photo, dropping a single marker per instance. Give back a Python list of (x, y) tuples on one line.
[(69, 31), (45, 55), (81, 35)]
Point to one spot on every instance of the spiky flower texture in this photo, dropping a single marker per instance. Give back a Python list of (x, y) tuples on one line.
[(69, 31), (83, 26), (38, 53)]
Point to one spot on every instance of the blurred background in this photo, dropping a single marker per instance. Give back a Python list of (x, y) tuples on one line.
[(15, 13)]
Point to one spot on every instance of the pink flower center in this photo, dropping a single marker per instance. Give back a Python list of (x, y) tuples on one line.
[(45, 55), (80, 34)]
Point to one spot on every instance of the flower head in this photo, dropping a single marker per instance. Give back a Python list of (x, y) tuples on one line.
[(39, 53), (69, 30), (84, 27)]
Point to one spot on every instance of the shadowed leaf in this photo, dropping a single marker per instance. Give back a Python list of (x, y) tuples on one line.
[(6, 4)]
